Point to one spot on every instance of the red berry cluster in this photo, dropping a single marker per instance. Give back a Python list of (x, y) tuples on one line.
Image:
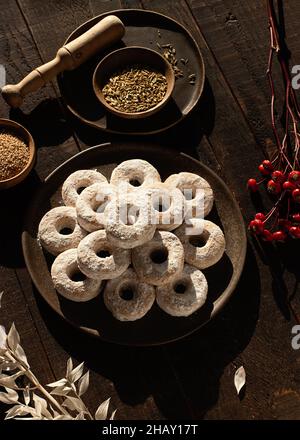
[(286, 188), (281, 175)]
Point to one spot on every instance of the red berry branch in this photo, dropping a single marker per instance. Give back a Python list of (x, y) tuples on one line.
[(280, 175)]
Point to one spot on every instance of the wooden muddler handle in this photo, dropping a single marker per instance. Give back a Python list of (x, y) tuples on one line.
[(105, 33)]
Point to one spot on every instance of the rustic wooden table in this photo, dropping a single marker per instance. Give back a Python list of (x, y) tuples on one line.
[(229, 131)]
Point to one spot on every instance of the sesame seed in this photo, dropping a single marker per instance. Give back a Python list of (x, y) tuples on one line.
[(14, 155)]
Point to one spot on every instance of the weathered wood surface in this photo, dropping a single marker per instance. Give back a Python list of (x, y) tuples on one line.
[(229, 131)]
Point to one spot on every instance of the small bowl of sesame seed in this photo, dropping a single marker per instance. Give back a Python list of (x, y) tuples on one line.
[(133, 82), (17, 153)]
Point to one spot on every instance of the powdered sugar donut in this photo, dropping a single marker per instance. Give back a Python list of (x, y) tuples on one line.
[(168, 206), (159, 260), (135, 173), (98, 259), (76, 181), (127, 297), (63, 272), (194, 188), (205, 246), (59, 230), (185, 294), (91, 204), (128, 220)]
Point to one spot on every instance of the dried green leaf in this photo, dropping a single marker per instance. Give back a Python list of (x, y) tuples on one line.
[(58, 383), (14, 411), (64, 417), (21, 356), (3, 339), (101, 413), (26, 395), (13, 338), (9, 381), (61, 391), (55, 413), (76, 373), (80, 416), (239, 379), (74, 404), (12, 393), (6, 398), (112, 417), (69, 366), (24, 410), (40, 405), (83, 383)]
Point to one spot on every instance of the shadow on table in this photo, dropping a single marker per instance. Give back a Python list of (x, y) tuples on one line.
[(185, 136), (283, 263), (50, 126), (14, 203), (182, 377)]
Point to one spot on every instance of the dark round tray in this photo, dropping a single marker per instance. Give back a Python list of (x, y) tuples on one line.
[(156, 327), (142, 29)]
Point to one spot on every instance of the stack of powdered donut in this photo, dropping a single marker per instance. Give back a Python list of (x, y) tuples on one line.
[(117, 235)]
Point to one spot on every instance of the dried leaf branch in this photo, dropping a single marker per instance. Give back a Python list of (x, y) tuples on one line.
[(27, 399)]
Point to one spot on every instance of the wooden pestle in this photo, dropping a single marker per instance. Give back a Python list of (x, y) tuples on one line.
[(103, 34)]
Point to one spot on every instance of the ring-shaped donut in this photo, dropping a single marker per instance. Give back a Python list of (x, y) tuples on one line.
[(203, 242), (159, 260), (127, 297), (135, 173), (98, 259), (76, 182), (199, 198), (128, 220), (185, 294), (59, 230), (168, 206), (63, 272), (91, 204)]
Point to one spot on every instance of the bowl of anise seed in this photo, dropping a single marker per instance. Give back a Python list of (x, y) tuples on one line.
[(17, 153), (133, 82)]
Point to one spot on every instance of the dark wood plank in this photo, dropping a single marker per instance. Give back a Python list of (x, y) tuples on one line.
[(18, 54), (126, 384), (42, 20), (192, 378), (237, 33), (219, 119), (212, 394), (15, 309)]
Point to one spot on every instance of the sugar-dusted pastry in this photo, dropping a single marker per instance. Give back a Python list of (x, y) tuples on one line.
[(91, 204), (76, 182), (168, 206), (160, 259), (135, 173), (64, 271), (197, 191), (203, 242), (59, 230), (98, 259), (127, 297), (185, 294), (128, 220)]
